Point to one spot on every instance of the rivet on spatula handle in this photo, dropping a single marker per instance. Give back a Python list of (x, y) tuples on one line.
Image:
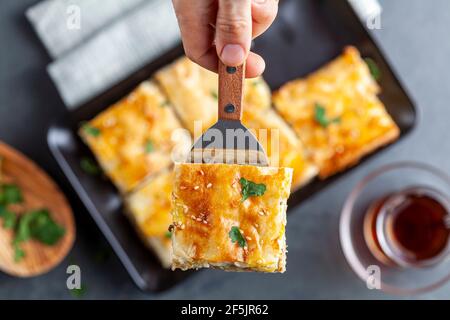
[(231, 82)]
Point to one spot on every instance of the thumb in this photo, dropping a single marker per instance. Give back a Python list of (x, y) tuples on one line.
[(233, 31)]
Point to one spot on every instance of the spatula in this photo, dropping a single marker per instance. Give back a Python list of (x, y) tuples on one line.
[(229, 141)]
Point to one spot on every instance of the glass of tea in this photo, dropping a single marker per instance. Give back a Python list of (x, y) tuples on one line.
[(395, 228)]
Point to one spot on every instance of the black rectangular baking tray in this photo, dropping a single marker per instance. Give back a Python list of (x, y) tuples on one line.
[(306, 35)]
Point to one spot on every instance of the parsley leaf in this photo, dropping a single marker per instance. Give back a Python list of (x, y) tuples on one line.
[(256, 82), (10, 194), (38, 225), (23, 229), (164, 104), (236, 236), (9, 218), (78, 293), (320, 115), (373, 68), (214, 95), (19, 254), (22, 234), (251, 189), (44, 229), (168, 235), (149, 146), (91, 130), (89, 166)]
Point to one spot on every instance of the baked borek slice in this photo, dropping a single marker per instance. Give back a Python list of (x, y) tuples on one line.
[(336, 113), (231, 217), (133, 138), (149, 208)]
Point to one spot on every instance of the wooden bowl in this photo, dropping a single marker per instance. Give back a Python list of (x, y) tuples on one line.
[(39, 192)]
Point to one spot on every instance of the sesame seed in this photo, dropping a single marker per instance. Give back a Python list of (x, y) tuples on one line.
[(339, 149), (183, 187), (205, 222), (261, 213), (202, 173), (354, 133), (209, 185), (248, 238), (196, 187), (193, 217), (110, 122), (256, 225), (199, 219)]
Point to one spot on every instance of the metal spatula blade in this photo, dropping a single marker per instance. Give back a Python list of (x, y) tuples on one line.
[(229, 141)]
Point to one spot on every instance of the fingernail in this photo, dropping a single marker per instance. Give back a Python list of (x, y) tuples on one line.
[(232, 55)]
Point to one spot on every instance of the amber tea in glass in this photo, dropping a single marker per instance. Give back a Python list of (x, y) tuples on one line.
[(409, 228)]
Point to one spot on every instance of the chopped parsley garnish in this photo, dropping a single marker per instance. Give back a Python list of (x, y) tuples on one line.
[(236, 236), (89, 166), (256, 83), (320, 115), (79, 293), (35, 224), (164, 104), (149, 146), (23, 232), (214, 95), (9, 218), (373, 68), (251, 189), (43, 228), (19, 254), (91, 130), (10, 194), (168, 234)]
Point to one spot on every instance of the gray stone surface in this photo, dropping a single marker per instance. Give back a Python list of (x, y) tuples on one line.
[(415, 37)]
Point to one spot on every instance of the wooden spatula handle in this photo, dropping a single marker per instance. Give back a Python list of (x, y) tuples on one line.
[(231, 83)]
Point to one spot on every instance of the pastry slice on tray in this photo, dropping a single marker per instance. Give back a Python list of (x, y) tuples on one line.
[(133, 138), (148, 207), (336, 113), (281, 144)]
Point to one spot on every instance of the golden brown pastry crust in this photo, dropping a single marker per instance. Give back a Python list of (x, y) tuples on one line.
[(135, 137), (207, 203), (347, 91), (192, 90)]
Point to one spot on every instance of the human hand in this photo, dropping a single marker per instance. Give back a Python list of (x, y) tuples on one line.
[(213, 29)]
